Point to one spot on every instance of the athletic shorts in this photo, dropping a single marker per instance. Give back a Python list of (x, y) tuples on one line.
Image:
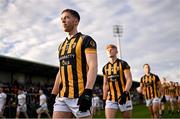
[(43, 108), (150, 102), (22, 108), (63, 104), (115, 105), (172, 99), (167, 97)]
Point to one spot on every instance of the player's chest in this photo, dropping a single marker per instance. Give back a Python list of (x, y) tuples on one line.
[(149, 81)]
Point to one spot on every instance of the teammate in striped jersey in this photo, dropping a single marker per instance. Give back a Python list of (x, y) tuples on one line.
[(116, 85), (151, 87), (77, 70), (172, 92)]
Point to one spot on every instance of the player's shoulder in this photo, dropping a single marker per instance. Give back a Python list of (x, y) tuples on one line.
[(4, 94), (152, 74), (123, 62), (143, 76), (86, 37), (106, 65)]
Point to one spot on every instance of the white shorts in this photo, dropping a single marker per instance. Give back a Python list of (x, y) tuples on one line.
[(150, 102), (95, 104), (43, 108), (63, 104), (115, 105), (22, 108), (172, 99), (167, 97)]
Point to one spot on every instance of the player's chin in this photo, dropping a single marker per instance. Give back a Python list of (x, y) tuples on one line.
[(111, 56), (66, 30)]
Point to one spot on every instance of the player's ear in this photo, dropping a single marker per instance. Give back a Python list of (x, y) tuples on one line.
[(76, 21), (116, 51)]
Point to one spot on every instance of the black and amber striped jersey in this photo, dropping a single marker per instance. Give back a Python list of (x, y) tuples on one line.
[(150, 86), (166, 89), (172, 91), (73, 67), (178, 90), (116, 79)]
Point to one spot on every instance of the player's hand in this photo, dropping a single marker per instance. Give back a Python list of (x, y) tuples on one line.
[(85, 100), (163, 99), (51, 101), (122, 98)]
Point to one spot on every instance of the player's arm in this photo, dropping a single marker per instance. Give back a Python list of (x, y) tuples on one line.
[(85, 100), (159, 85), (128, 77), (55, 89), (92, 72), (141, 88), (105, 87)]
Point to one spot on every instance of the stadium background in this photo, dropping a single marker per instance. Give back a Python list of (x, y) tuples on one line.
[(32, 76)]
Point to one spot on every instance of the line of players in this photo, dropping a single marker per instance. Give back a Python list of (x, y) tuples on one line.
[(21, 105), (170, 96)]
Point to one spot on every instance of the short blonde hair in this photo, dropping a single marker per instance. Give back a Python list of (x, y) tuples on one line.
[(111, 46)]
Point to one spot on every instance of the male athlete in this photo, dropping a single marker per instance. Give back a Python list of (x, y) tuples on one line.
[(43, 105), (163, 97), (77, 71), (116, 85), (150, 86), (172, 92), (2, 102)]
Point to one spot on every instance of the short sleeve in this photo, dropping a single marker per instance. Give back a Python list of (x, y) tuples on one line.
[(141, 80), (103, 70), (89, 45), (125, 65), (157, 79)]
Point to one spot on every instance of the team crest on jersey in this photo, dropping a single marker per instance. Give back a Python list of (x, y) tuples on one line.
[(92, 43)]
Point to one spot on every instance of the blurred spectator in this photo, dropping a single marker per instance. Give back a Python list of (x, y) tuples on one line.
[(2, 102), (22, 107)]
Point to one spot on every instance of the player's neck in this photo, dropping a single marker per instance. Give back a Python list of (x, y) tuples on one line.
[(147, 74), (112, 59), (72, 33)]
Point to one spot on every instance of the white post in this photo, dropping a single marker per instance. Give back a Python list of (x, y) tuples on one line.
[(117, 31)]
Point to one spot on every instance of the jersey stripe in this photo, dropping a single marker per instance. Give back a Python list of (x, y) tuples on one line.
[(71, 83)]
